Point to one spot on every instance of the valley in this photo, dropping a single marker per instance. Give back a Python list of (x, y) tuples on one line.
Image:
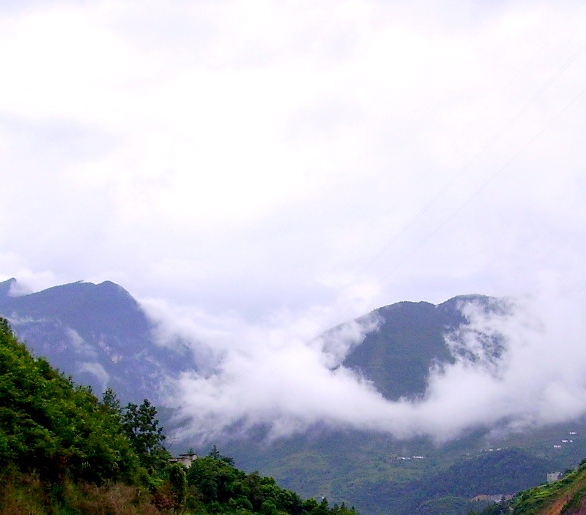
[(100, 336)]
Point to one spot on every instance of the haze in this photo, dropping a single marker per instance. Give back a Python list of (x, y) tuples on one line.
[(257, 172)]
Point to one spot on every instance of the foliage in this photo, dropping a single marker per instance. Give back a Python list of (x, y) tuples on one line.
[(50, 425), (216, 486), (568, 493), (178, 485), (64, 452), (145, 434)]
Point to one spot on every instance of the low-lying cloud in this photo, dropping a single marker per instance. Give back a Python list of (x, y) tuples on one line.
[(515, 368)]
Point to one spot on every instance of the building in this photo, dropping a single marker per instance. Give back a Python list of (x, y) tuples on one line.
[(185, 459), (553, 476), (492, 497)]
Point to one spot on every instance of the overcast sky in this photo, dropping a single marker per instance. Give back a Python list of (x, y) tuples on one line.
[(293, 164)]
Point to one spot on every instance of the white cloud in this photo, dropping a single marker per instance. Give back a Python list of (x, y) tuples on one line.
[(286, 382), (82, 349), (265, 164)]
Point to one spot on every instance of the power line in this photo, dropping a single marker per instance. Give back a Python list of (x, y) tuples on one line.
[(539, 93), (483, 186)]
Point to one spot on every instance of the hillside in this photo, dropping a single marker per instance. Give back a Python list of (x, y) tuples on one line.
[(566, 496), (381, 475), (98, 334), (409, 340), (64, 452)]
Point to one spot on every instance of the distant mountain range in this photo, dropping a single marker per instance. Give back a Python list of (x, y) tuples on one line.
[(100, 335)]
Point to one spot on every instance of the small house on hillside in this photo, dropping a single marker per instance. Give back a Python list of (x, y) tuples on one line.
[(553, 476), (492, 497), (185, 459)]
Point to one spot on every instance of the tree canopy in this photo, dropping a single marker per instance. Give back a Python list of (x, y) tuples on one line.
[(64, 451)]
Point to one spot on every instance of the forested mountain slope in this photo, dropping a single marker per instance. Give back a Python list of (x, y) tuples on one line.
[(408, 341), (64, 452), (100, 336)]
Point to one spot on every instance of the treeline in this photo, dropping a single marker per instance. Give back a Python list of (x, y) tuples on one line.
[(63, 451)]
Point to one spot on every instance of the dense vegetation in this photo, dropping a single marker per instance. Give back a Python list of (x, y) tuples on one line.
[(566, 496), (65, 452), (379, 476), (89, 329)]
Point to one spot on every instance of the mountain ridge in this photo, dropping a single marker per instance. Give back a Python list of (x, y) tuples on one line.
[(91, 331), (97, 333), (410, 340), (81, 330)]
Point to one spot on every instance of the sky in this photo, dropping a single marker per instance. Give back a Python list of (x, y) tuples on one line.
[(259, 171)]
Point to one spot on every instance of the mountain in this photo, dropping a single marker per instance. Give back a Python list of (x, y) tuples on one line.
[(382, 475), (98, 334), (62, 451), (5, 289), (409, 340)]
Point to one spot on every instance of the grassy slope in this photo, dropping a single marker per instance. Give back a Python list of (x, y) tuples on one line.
[(561, 497)]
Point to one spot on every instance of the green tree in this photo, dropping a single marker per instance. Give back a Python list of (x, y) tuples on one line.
[(110, 400), (216, 480), (145, 434), (216, 455), (50, 425), (178, 480)]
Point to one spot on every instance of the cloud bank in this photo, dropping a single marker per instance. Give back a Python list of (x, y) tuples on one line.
[(247, 156), (273, 170), (516, 369)]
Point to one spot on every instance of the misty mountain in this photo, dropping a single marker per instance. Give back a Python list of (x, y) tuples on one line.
[(5, 289), (382, 475), (98, 334), (409, 339)]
